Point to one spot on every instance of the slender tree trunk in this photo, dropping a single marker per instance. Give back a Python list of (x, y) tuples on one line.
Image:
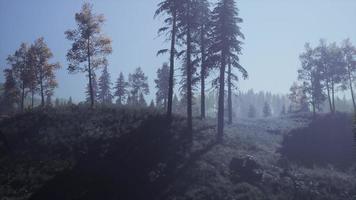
[(23, 96), (202, 75), (171, 67), (221, 98), (313, 105), (42, 92), (90, 77), (328, 93), (229, 93), (313, 94), (189, 80), (333, 95), (165, 103), (351, 90), (32, 98)]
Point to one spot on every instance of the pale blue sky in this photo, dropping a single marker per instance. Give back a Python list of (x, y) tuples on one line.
[(275, 31)]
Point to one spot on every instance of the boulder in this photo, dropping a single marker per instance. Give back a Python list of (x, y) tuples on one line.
[(245, 169)]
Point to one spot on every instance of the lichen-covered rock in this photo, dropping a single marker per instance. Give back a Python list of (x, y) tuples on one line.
[(245, 169)]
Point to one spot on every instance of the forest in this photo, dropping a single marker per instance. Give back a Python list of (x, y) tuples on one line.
[(194, 135)]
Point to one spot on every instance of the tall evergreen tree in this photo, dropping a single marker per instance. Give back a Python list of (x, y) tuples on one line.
[(188, 23), (267, 110), (170, 8), (138, 84), (162, 82), (252, 111), (89, 46), (104, 93), (227, 47), (175, 104), (204, 41), (121, 89), (141, 101), (70, 101)]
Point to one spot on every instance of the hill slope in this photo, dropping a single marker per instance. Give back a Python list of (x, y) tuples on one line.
[(109, 153)]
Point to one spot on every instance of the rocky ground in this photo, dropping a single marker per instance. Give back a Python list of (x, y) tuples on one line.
[(110, 153)]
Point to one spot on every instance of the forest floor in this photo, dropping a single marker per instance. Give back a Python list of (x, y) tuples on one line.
[(111, 153)]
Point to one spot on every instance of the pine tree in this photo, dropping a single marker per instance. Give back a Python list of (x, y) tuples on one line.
[(141, 101), (121, 89), (70, 101), (170, 8), (162, 82), (267, 110), (89, 46), (175, 104), (188, 23), (138, 84), (104, 93), (152, 104), (283, 111), (226, 48), (251, 111), (204, 42)]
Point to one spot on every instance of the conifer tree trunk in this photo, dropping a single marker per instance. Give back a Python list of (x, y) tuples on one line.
[(171, 67), (32, 98), (229, 93), (202, 76), (90, 78), (189, 79), (221, 98), (23, 96)]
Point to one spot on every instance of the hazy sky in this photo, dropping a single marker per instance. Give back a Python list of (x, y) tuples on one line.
[(275, 31)]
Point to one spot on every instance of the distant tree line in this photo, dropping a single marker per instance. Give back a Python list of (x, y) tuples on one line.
[(325, 70)]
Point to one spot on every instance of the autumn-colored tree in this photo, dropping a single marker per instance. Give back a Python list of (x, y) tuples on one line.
[(21, 70), (90, 47), (44, 71)]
